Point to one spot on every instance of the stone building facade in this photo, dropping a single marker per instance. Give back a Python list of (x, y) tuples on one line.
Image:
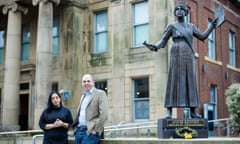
[(50, 44)]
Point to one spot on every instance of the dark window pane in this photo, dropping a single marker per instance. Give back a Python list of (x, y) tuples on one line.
[(24, 86), (141, 88), (101, 85), (55, 86)]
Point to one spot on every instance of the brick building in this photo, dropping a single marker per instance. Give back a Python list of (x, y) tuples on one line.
[(217, 69), (50, 44)]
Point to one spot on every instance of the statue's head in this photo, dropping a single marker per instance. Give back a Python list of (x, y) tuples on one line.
[(181, 5)]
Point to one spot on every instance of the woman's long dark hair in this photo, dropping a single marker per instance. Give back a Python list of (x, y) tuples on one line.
[(49, 104)]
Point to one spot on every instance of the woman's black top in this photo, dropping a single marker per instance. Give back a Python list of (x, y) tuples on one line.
[(55, 135)]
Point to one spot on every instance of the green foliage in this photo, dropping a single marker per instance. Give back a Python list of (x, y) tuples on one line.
[(233, 103)]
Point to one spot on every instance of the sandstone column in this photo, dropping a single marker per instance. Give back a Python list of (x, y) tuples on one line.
[(12, 66), (43, 56)]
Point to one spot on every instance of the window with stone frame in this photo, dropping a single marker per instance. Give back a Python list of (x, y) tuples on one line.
[(56, 35), (213, 99), (140, 20), (232, 52), (141, 98), (100, 32), (25, 43), (211, 43)]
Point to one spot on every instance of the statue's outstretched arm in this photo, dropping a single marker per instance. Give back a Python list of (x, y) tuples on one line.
[(162, 42), (203, 35)]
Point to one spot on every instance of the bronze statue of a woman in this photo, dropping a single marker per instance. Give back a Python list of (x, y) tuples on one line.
[(182, 88)]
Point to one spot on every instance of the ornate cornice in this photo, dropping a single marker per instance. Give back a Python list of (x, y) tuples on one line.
[(14, 7), (36, 2)]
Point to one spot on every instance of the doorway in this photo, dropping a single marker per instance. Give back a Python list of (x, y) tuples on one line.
[(23, 111)]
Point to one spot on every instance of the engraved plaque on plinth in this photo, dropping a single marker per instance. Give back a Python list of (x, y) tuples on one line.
[(167, 127)]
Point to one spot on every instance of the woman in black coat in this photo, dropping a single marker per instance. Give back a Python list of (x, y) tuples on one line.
[(55, 121)]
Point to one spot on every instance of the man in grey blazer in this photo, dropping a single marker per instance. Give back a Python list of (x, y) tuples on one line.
[(91, 113)]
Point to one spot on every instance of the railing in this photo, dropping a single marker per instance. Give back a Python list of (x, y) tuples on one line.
[(15, 133), (35, 137), (222, 124), (142, 129), (124, 128)]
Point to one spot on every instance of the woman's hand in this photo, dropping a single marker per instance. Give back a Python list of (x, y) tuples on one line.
[(214, 22), (60, 123)]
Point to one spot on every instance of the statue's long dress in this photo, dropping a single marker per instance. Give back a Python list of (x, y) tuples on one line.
[(182, 88)]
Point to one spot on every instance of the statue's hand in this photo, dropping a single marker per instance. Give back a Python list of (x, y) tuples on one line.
[(150, 46), (214, 22)]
